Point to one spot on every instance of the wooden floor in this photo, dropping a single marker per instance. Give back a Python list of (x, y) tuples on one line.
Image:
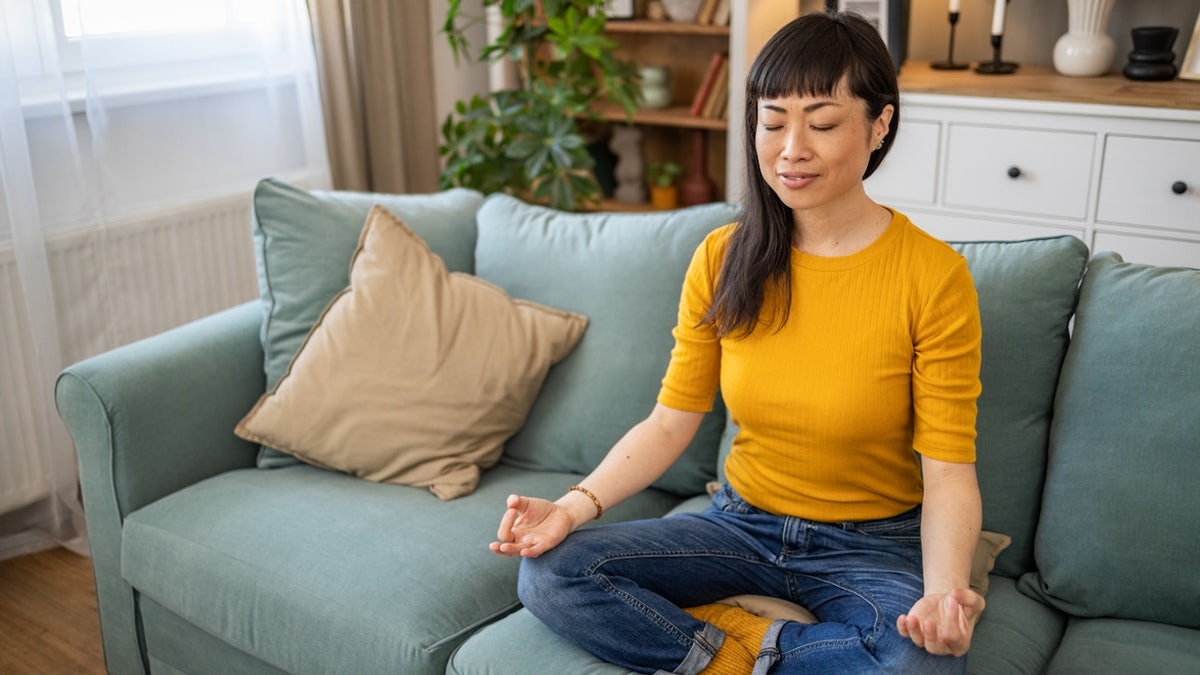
[(48, 620)]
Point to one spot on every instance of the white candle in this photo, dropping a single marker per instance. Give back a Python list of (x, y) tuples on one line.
[(998, 17), (955, 6)]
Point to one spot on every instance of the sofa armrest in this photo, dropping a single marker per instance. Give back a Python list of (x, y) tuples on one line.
[(157, 415), (148, 419)]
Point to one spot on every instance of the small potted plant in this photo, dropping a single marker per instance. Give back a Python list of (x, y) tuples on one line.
[(662, 176)]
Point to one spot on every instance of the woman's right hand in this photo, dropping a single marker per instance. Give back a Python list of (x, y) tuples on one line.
[(531, 526)]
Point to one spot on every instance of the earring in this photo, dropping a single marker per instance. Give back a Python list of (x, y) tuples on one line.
[(880, 146)]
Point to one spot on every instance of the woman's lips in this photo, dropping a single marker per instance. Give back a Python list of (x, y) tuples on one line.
[(796, 180)]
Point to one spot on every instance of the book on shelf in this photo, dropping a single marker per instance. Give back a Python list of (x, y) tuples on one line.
[(721, 14), (708, 8), (718, 96), (708, 81)]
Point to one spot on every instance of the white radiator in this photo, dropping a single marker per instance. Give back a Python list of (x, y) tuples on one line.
[(116, 284)]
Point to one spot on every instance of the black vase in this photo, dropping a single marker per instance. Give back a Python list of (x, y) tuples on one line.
[(1152, 58)]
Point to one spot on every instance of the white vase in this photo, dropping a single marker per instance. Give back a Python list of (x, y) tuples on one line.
[(1086, 49), (682, 11)]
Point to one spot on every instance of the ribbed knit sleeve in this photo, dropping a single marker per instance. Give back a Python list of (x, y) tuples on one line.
[(945, 375), (694, 370)]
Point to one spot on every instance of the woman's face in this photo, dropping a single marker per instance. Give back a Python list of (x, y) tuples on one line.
[(813, 150)]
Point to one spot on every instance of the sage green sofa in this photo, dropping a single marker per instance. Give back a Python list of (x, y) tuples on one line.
[(213, 555)]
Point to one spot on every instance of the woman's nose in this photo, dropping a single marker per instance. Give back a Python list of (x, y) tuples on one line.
[(795, 145)]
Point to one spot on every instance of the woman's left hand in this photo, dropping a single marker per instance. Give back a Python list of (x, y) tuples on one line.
[(944, 622)]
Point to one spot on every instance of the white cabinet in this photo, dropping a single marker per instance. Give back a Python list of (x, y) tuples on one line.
[(1152, 182), (1040, 173), (1121, 178), (916, 181)]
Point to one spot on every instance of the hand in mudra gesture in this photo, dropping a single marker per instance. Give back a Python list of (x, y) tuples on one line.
[(943, 623), (530, 527)]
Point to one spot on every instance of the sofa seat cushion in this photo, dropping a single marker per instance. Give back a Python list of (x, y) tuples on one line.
[(624, 271), (315, 571), (506, 647), (1126, 647), (1116, 536), (176, 647), (1016, 635)]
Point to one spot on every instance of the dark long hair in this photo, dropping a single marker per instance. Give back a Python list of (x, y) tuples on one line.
[(808, 57)]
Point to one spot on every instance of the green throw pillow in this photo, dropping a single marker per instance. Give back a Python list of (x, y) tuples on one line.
[(624, 271), (303, 243), (1117, 533), (1027, 291)]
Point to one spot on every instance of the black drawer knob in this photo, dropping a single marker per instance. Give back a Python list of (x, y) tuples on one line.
[(1014, 172), (1179, 187)]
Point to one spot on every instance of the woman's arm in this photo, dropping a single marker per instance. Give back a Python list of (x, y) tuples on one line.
[(530, 526), (943, 620)]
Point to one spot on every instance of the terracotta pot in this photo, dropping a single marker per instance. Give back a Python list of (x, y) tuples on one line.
[(663, 198)]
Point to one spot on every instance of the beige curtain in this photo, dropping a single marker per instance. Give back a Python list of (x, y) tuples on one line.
[(377, 91)]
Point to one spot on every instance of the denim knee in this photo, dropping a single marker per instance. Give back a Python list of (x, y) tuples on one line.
[(542, 582), (530, 579)]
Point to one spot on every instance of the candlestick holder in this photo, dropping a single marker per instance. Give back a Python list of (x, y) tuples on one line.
[(949, 63), (996, 66)]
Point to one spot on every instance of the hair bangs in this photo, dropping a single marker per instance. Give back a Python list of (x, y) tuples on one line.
[(814, 65)]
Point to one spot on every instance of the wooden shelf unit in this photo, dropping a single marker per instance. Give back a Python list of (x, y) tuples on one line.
[(686, 50), (677, 116), (619, 26)]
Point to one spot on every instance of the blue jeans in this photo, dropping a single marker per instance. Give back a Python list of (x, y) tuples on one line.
[(616, 590)]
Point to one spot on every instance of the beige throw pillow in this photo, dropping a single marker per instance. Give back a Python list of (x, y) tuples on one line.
[(412, 375), (990, 545)]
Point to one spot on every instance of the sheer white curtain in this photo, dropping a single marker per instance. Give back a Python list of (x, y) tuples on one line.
[(110, 109)]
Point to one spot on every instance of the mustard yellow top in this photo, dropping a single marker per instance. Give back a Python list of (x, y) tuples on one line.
[(880, 357)]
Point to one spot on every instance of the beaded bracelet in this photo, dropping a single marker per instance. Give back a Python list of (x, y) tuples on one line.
[(580, 488)]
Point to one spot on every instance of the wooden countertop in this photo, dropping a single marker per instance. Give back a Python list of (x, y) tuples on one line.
[(1044, 84)]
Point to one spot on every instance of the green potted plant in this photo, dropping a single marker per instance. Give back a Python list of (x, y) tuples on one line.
[(662, 176), (527, 141)]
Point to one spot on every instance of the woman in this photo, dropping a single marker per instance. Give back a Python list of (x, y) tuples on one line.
[(846, 344)]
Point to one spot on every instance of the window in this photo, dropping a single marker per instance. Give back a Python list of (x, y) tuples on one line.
[(133, 106), (116, 17), (134, 49)]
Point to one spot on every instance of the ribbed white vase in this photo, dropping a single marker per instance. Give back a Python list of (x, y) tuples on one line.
[(1086, 49)]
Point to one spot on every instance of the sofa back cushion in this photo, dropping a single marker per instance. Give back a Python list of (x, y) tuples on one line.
[(1027, 291), (303, 243), (624, 271), (1117, 533)]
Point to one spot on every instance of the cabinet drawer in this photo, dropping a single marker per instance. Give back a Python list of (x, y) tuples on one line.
[(909, 173), (1149, 250), (1019, 170), (1137, 180)]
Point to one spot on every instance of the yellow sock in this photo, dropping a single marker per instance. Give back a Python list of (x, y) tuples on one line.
[(744, 633)]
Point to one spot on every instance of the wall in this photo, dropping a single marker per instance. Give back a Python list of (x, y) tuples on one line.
[(455, 82), (1033, 26)]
